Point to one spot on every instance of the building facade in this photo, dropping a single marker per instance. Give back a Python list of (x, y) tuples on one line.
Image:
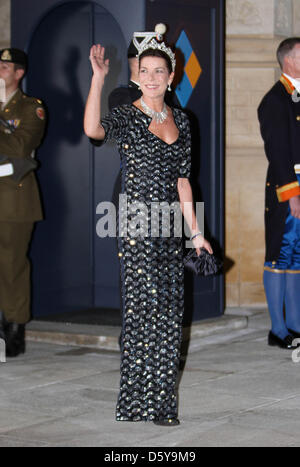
[(254, 29)]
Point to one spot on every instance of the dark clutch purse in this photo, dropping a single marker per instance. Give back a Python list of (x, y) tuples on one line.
[(202, 265)]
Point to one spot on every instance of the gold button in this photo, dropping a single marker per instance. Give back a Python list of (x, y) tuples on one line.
[(20, 185), (267, 209), (6, 110), (268, 184), (298, 118)]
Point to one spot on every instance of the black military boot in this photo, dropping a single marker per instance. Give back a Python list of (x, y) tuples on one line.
[(15, 339)]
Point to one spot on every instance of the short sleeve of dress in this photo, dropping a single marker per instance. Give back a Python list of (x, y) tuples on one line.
[(185, 156), (115, 124)]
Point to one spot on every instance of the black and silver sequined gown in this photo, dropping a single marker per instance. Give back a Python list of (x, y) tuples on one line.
[(151, 267)]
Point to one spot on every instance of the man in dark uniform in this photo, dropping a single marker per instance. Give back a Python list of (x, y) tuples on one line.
[(22, 125), (127, 94), (279, 117)]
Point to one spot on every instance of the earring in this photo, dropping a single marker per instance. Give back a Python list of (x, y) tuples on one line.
[(169, 88)]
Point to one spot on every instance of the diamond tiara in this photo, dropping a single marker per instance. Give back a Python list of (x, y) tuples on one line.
[(140, 39), (160, 46)]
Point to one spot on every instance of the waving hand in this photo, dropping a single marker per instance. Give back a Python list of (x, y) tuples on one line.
[(99, 65)]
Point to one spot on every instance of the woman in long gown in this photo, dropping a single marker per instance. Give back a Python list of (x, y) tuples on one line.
[(154, 145)]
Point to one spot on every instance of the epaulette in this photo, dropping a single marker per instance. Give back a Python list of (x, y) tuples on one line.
[(38, 105)]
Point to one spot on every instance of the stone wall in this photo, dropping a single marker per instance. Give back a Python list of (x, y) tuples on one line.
[(4, 23), (254, 28)]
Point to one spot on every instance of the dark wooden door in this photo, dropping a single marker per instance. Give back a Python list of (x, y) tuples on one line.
[(195, 29)]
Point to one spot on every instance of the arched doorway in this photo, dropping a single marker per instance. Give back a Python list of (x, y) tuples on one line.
[(73, 269)]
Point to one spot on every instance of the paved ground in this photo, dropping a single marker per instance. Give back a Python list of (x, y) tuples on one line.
[(234, 391)]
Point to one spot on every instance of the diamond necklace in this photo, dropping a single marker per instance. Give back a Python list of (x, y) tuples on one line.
[(159, 117)]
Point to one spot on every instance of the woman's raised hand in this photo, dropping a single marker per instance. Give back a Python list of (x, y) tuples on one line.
[(99, 65)]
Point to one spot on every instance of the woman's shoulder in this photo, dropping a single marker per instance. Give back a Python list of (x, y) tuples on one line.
[(123, 112), (181, 115), (128, 111), (122, 109)]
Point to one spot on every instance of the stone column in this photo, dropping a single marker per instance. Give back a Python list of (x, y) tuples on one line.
[(4, 23), (254, 30)]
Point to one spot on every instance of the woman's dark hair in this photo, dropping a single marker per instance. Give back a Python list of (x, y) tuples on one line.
[(285, 47), (157, 53)]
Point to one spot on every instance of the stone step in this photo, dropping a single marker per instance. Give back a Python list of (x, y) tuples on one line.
[(106, 337)]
